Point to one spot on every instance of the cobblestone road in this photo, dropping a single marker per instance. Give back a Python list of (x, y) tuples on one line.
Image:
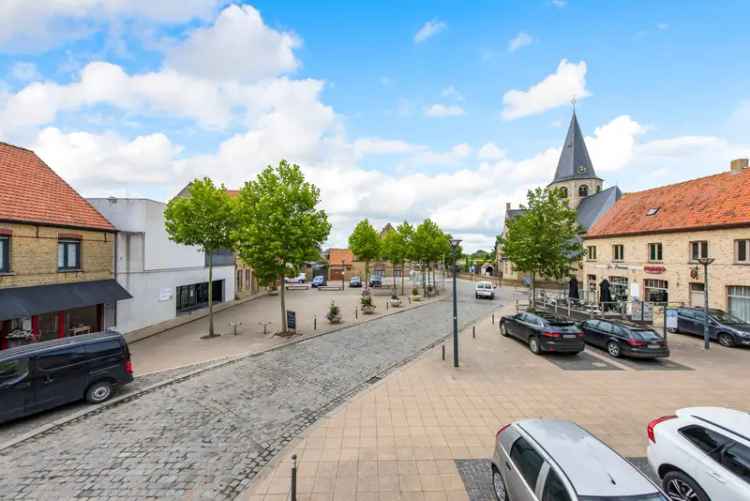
[(207, 437)]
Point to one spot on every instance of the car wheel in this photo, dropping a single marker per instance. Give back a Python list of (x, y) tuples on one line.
[(680, 487), (498, 484), (476, 296), (534, 345), (672, 330), (504, 329), (99, 392), (613, 349), (726, 339)]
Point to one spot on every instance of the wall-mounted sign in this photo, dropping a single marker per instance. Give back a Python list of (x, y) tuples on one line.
[(654, 270), (165, 294)]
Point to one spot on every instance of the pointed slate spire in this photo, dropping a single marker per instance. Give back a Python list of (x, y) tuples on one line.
[(574, 162)]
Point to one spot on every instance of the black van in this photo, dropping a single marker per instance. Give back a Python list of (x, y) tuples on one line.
[(43, 375)]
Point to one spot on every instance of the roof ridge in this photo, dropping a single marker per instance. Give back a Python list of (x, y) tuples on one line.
[(17, 147)]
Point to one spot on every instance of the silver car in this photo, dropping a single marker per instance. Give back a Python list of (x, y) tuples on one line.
[(550, 460)]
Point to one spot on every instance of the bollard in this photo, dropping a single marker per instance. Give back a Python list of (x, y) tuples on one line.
[(315, 323), (493, 318), (474, 331), (387, 304), (294, 477), (443, 352), (356, 313)]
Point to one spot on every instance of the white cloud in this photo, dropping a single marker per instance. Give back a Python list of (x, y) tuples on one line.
[(428, 30), (452, 93), (40, 24), (521, 40), (559, 3), (378, 146), (443, 110), (238, 46), (557, 89), (25, 72), (613, 144), (490, 151)]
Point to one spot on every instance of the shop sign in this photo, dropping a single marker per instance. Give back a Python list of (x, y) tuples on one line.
[(654, 270)]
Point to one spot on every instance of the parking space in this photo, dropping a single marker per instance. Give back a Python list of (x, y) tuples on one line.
[(581, 362)]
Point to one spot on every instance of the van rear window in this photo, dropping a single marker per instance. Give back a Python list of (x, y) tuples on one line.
[(104, 348)]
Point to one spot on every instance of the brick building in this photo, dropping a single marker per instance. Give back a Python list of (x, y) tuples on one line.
[(647, 245), (56, 255)]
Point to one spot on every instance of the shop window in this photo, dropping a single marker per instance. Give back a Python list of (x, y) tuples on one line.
[(742, 251), (583, 190), (698, 250), (591, 252), (4, 254), (618, 252), (69, 255), (618, 287), (656, 291), (190, 297), (655, 252)]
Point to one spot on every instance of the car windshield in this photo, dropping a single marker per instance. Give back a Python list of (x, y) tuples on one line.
[(646, 335), (726, 318), (638, 497), (484, 286)]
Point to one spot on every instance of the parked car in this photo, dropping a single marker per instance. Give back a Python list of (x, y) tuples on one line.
[(355, 282), (318, 281), (376, 281), (48, 374), (543, 333), (702, 454), (723, 327), (484, 289), (624, 339), (551, 460), (299, 279)]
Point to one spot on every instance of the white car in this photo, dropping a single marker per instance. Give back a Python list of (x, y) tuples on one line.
[(484, 289), (299, 279), (702, 454)]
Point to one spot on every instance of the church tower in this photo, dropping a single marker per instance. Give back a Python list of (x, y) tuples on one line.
[(575, 173)]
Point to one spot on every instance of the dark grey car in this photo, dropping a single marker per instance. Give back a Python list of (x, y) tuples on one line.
[(543, 333), (723, 327)]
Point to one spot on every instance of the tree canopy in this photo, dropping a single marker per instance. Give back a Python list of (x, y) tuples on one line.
[(395, 248), (365, 244)]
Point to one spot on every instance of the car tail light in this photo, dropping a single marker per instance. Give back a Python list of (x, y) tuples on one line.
[(551, 334), (502, 429), (635, 342), (652, 425), (129, 367)]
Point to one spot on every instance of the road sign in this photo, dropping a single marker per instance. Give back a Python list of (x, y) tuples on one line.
[(291, 320)]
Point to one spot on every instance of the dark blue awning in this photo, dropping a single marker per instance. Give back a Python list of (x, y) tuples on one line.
[(21, 302)]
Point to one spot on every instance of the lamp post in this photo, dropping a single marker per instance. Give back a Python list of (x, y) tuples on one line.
[(705, 261), (454, 246)]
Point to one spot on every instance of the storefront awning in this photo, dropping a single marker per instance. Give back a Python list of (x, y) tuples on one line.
[(21, 302)]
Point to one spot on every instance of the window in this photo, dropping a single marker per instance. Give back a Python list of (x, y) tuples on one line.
[(739, 301), (564, 192), (591, 252), (742, 251), (583, 191), (737, 460), (698, 250), (656, 291), (618, 252), (57, 360), (13, 369), (654, 252), (706, 440), (652, 211), (527, 461), (190, 297), (4, 254), (554, 490), (618, 288), (598, 188), (69, 255)]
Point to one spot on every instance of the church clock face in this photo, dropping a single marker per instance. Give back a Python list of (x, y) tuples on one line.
[(581, 169)]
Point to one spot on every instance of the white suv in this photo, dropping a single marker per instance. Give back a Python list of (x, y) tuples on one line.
[(702, 454), (484, 289)]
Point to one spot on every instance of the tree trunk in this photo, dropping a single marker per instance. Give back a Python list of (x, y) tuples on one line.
[(211, 295), (283, 305), (424, 280), (403, 269), (532, 303), (393, 265), (367, 274)]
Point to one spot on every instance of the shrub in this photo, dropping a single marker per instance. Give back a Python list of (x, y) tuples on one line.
[(415, 292), (366, 300), (333, 312)]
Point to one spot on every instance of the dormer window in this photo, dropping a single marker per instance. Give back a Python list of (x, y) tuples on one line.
[(652, 211), (583, 191)]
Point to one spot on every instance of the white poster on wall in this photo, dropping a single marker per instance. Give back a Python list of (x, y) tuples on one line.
[(635, 290), (165, 294)]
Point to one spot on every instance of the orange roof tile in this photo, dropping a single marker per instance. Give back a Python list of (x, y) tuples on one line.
[(703, 203), (335, 256), (232, 193), (31, 192)]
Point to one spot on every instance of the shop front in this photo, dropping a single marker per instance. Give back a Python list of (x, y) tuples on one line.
[(42, 313)]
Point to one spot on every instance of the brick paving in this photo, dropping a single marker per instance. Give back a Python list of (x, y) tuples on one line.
[(207, 437)]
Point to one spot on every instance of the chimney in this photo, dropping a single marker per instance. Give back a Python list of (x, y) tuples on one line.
[(507, 206), (738, 164)]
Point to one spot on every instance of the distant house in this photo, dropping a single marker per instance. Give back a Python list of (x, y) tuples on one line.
[(56, 256), (340, 262)]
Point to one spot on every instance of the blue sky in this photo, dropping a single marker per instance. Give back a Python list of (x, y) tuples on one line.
[(396, 110)]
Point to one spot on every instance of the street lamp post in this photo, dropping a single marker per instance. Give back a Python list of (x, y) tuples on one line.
[(454, 246), (705, 261)]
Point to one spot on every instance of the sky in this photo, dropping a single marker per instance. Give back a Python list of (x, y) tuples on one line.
[(395, 110)]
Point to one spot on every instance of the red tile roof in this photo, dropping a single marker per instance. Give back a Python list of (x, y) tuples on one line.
[(31, 192), (335, 256), (233, 193), (715, 201)]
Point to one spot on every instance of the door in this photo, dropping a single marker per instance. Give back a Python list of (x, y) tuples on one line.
[(516, 324), (736, 459), (686, 321), (60, 376), (525, 466), (707, 470), (697, 295), (15, 388), (596, 335)]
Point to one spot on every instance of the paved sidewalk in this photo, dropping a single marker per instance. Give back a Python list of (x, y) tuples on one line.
[(399, 440)]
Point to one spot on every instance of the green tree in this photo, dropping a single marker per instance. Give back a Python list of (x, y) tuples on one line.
[(543, 240), (428, 247), (394, 249), (406, 234), (280, 226), (365, 245), (205, 218)]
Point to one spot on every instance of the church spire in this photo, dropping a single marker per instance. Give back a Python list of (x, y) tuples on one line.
[(574, 162)]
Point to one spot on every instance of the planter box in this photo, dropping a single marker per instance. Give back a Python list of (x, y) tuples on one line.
[(395, 302), (368, 309), (416, 299)]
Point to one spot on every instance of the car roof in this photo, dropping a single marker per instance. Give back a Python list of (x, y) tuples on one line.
[(42, 346), (730, 420), (591, 466), (627, 324)]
